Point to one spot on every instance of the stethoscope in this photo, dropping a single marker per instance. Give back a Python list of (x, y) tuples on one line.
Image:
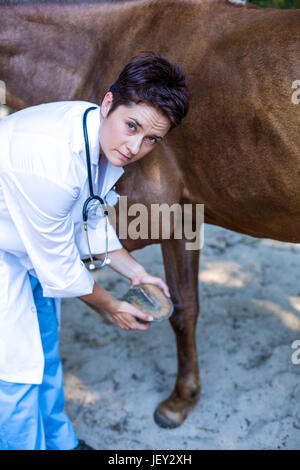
[(92, 198)]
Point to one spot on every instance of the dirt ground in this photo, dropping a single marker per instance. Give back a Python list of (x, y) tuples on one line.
[(249, 319)]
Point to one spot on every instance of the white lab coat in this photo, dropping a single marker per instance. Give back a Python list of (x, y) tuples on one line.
[(43, 185)]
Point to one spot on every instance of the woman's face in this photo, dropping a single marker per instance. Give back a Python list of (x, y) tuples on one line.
[(130, 132)]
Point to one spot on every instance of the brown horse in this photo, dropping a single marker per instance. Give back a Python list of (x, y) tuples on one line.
[(237, 152)]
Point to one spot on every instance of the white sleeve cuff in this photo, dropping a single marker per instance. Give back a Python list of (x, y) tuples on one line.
[(82, 285)]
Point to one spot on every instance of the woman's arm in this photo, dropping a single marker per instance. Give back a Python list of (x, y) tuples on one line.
[(125, 264)]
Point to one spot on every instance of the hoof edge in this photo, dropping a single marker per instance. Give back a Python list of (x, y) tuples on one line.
[(164, 422)]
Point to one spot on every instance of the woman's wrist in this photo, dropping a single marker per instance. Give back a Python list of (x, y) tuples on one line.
[(137, 278), (125, 264), (101, 298)]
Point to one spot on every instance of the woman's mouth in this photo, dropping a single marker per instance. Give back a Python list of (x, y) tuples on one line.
[(123, 156)]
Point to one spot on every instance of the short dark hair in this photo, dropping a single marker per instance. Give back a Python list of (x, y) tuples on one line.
[(152, 79)]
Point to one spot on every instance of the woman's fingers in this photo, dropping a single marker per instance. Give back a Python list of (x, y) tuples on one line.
[(142, 316), (164, 288), (159, 282), (127, 317), (139, 325)]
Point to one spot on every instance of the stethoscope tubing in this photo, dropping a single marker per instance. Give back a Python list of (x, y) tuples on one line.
[(87, 149), (92, 197)]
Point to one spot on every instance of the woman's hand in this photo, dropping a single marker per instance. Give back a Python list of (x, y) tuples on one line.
[(122, 313), (124, 263), (146, 278), (125, 315)]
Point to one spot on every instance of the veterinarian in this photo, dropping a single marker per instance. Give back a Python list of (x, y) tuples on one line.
[(58, 163)]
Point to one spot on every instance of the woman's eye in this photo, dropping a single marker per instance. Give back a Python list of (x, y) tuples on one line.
[(131, 126), (152, 140)]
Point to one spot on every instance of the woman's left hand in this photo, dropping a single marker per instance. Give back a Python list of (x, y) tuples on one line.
[(148, 279)]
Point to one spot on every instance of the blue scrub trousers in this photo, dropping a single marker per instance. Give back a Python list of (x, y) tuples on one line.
[(32, 416)]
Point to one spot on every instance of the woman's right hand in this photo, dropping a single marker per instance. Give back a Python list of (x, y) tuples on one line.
[(125, 315)]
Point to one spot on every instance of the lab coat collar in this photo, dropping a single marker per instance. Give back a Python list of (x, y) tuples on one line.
[(108, 173)]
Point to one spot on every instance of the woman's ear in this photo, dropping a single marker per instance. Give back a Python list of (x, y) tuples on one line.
[(106, 104)]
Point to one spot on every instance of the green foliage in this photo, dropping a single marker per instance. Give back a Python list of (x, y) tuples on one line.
[(277, 3)]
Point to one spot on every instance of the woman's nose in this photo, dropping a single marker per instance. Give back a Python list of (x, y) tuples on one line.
[(134, 145)]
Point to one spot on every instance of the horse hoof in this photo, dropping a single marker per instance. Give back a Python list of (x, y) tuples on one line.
[(164, 422)]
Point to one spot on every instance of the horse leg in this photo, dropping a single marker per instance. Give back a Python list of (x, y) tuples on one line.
[(181, 269)]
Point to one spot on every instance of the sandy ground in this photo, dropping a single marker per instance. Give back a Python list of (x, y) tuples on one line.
[(250, 316)]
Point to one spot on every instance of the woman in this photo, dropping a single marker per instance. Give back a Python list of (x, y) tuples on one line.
[(43, 187)]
